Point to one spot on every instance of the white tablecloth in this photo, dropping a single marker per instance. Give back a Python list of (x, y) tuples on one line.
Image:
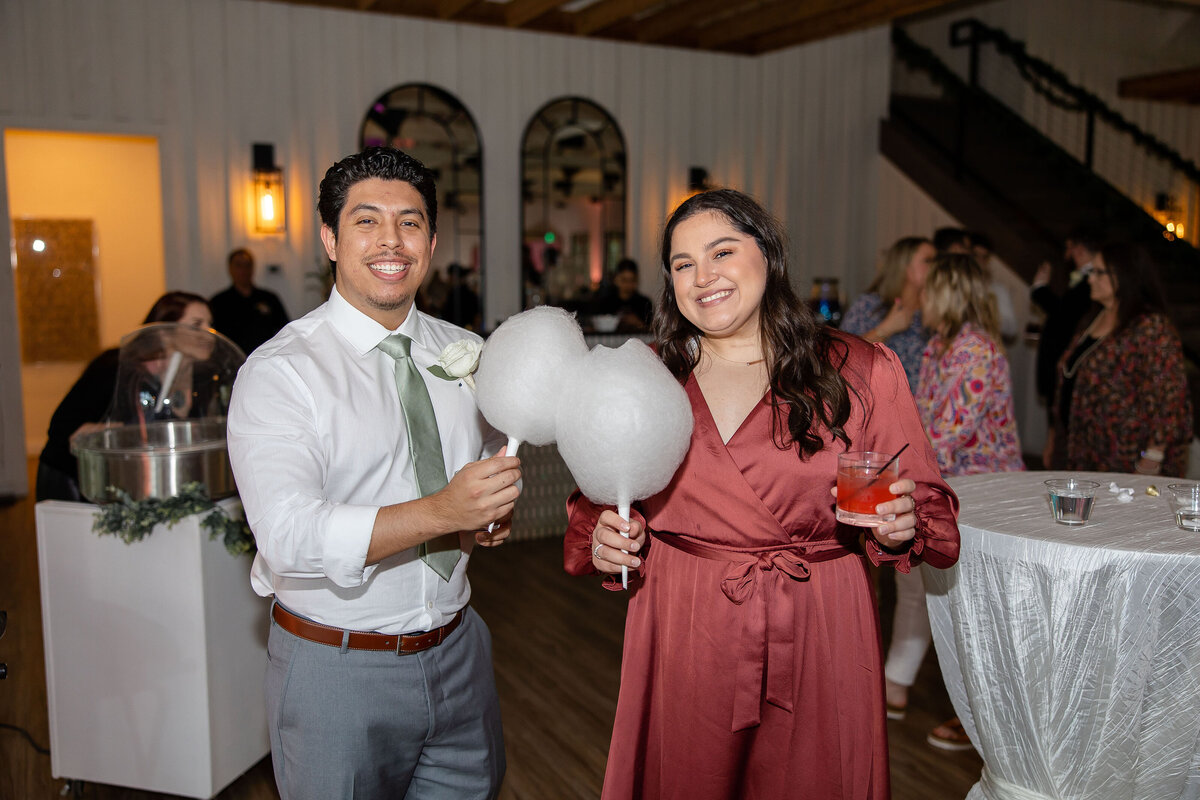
[(1072, 654)]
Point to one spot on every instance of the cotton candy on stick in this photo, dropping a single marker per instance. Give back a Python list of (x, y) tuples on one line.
[(522, 371), (623, 426)]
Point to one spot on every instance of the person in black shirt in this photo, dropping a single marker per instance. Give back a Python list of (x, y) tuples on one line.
[(634, 310), (1063, 315), (245, 313)]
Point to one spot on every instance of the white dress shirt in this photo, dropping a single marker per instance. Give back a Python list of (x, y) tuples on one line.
[(318, 445)]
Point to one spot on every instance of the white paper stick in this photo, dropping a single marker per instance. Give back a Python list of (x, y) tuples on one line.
[(168, 379), (623, 510), (509, 450)]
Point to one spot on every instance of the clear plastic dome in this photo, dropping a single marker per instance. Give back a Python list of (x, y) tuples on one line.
[(171, 371), (166, 419)]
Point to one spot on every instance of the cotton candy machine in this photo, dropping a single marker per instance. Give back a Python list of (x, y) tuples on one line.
[(166, 422)]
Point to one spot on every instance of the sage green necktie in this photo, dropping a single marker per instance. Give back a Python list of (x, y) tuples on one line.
[(425, 447)]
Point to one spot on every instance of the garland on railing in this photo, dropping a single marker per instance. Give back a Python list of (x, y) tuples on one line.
[(1028, 66), (133, 520)]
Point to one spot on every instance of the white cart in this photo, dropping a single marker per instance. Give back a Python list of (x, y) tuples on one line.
[(155, 655)]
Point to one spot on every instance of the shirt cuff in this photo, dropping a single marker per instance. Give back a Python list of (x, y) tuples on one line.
[(346, 542)]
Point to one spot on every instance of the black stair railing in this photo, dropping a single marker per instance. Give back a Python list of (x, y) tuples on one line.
[(1057, 88)]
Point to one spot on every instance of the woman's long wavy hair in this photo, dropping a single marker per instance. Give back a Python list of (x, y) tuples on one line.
[(957, 292), (804, 360), (1135, 282)]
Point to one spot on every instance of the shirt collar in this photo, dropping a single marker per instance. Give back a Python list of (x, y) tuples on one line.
[(364, 333)]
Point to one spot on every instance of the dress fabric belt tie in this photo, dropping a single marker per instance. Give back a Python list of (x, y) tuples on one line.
[(769, 635)]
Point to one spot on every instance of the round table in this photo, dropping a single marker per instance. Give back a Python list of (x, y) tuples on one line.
[(1072, 654)]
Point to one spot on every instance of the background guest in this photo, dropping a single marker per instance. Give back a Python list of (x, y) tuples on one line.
[(981, 251), (1122, 399), (245, 313), (634, 310), (890, 310), (86, 404), (952, 240), (751, 660), (1063, 314), (965, 399), (461, 304)]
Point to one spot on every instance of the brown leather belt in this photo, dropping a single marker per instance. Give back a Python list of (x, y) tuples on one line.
[(363, 640)]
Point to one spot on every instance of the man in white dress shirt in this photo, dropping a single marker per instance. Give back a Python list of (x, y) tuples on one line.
[(379, 681)]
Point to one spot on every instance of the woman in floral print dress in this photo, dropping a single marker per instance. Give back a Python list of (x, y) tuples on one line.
[(964, 396)]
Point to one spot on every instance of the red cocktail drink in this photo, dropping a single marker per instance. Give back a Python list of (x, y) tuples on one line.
[(861, 487)]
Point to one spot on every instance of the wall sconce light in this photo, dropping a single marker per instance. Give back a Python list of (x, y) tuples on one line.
[(269, 212)]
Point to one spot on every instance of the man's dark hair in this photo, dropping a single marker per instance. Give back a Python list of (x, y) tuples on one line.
[(241, 251), (1087, 236), (386, 163), (981, 239), (945, 238), (626, 265)]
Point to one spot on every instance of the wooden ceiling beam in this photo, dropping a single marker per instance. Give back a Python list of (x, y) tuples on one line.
[(519, 13), (856, 17), (768, 18), (607, 13), (678, 20), (449, 9), (1177, 86)]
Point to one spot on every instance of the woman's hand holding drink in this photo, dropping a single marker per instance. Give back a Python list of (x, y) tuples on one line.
[(864, 480), (871, 494)]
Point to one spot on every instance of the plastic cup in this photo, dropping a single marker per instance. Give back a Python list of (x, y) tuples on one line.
[(861, 486), (1071, 500), (1185, 502)]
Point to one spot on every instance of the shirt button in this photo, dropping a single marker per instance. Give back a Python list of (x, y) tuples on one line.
[(429, 605)]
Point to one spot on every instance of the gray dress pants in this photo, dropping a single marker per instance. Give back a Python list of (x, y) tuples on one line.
[(374, 725)]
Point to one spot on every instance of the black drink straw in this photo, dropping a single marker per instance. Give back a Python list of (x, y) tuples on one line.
[(885, 466)]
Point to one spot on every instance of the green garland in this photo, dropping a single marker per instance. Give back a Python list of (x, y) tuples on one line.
[(133, 520)]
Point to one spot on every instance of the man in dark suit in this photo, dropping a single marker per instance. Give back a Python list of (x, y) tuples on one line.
[(1063, 312)]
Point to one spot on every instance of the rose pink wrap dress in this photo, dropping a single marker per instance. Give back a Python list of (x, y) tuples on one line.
[(751, 665)]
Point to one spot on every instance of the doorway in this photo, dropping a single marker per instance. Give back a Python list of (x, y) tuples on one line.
[(105, 192)]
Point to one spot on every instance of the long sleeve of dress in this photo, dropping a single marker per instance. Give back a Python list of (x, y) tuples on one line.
[(895, 422), (582, 516)]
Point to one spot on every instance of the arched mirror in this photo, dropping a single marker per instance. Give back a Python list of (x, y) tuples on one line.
[(431, 124), (573, 212)]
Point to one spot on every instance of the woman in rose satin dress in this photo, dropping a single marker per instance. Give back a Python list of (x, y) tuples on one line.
[(751, 666)]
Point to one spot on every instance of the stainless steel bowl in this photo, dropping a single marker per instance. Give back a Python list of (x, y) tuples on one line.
[(155, 460)]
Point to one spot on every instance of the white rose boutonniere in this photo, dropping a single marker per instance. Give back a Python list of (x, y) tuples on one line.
[(458, 360)]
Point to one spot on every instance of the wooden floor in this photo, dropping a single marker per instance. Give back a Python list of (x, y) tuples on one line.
[(557, 645)]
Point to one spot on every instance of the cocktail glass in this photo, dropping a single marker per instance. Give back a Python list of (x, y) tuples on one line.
[(861, 486)]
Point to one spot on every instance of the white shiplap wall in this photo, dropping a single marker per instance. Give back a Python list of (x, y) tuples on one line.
[(209, 77)]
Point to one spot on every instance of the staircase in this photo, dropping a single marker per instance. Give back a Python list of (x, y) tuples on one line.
[(995, 172)]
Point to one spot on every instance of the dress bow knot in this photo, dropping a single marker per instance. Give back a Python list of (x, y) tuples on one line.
[(742, 578)]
